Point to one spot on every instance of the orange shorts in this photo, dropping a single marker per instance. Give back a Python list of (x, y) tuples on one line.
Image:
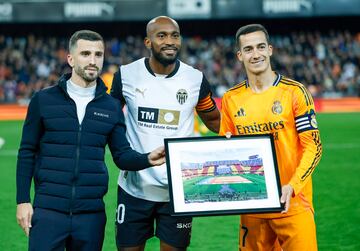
[(295, 233)]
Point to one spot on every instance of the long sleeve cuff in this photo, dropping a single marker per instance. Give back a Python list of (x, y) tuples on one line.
[(23, 185), (132, 161)]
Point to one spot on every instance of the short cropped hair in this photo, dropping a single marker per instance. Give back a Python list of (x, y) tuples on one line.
[(250, 28), (85, 35)]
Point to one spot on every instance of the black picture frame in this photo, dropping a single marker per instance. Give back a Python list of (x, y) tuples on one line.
[(219, 176)]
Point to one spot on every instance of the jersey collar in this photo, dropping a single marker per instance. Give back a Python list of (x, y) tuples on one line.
[(276, 82), (177, 65)]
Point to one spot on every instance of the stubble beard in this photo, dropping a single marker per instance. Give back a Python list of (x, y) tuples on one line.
[(87, 77), (165, 61)]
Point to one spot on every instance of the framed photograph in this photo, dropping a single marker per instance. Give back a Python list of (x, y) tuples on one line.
[(217, 176)]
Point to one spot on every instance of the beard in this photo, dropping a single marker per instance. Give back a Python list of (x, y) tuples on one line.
[(164, 60), (88, 77)]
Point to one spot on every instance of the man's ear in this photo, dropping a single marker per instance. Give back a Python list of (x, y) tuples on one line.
[(70, 60), (239, 55), (270, 50), (147, 43)]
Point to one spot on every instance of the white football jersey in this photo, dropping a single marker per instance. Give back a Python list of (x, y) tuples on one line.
[(157, 108)]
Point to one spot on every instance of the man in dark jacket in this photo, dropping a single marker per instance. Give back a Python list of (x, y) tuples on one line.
[(63, 144)]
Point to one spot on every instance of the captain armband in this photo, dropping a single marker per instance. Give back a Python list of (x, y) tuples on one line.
[(306, 122)]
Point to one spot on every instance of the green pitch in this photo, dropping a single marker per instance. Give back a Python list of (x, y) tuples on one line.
[(195, 189), (336, 186)]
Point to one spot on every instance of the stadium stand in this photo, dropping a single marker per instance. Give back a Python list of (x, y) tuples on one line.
[(327, 62)]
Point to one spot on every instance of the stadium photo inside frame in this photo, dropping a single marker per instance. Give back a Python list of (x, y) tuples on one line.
[(218, 176)]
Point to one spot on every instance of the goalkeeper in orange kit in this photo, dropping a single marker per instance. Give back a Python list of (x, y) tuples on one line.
[(267, 102)]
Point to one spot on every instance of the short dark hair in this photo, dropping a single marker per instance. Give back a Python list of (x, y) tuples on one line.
[(250, 28), (85, 35)]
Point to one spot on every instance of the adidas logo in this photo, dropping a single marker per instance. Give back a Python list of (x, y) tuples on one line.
[(240, 113)]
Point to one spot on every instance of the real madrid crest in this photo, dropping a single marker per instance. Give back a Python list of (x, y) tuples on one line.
[(181, 96), (277, 107), (313, 121)]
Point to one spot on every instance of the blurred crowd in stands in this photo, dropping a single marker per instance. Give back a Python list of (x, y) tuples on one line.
[(327, 63)]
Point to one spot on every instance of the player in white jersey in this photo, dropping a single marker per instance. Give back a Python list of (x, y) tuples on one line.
[(160, 93)]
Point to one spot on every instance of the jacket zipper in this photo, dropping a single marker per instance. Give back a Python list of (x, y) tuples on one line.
[(76, 170)]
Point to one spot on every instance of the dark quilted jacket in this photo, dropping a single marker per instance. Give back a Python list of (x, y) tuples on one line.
[(66, 159)]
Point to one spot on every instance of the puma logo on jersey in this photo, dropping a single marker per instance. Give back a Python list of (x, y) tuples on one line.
[(142, 92)]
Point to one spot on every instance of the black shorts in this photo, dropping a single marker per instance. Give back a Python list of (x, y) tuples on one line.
[(135, 222)]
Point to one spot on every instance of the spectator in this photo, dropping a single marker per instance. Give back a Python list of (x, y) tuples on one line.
[(326, 60)]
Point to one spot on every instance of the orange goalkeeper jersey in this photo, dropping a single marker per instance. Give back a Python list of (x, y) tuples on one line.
[(287, 111)]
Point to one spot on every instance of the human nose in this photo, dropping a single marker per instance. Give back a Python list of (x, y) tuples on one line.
[(92, 59), (169, 40), (255, 53)]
